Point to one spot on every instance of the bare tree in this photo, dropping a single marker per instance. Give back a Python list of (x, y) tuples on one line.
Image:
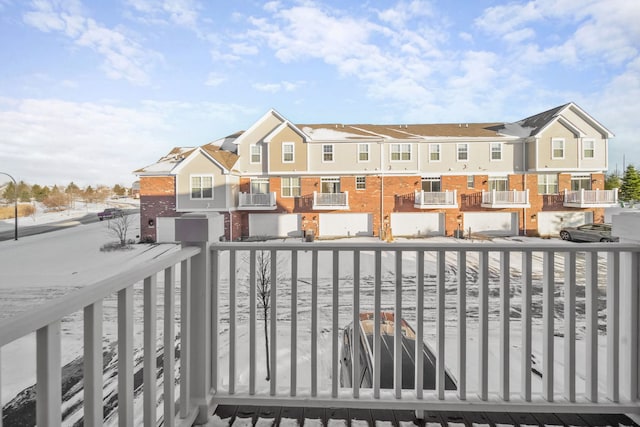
[(263, 294), (119, 226)]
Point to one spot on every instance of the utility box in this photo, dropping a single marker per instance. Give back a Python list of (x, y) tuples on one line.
[(458, 234), (309, 235)]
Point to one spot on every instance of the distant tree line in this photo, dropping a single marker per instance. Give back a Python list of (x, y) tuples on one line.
[(59, 197)]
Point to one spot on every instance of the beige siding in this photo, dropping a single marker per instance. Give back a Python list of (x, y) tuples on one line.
[(287, 135), (545, 160), (254, 136), (479, 158), (345, 158), (200, 165)]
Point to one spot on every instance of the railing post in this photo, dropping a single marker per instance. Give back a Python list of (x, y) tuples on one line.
[(194, 231)]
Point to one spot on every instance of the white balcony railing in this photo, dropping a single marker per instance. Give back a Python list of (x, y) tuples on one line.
[(505, 199), (436, 199), (550, 327), (257, 201), (330, 201), (591, 198)]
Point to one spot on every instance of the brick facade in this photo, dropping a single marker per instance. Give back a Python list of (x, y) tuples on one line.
[(157, 199)]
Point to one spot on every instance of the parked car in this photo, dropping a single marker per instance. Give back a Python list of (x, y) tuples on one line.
[(110, 213), (387, 355), (589, 233)]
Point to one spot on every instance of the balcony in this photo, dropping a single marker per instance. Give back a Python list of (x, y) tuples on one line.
[(505, 199), (330, 201), (591, 198), (539, 327), (436, 199), (257, 201)]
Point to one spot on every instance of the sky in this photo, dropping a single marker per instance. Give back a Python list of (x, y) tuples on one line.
[(92, 90)]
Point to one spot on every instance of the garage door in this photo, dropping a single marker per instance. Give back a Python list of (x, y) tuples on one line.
[(417, 224), (550, 223), (346, 224), (492, 223), (274, 225), (166, 230)]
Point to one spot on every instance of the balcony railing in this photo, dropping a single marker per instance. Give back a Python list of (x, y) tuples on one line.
[(330, 201), (519, 328), (257, 201), (505, 199), (436, 199), (591, 198)]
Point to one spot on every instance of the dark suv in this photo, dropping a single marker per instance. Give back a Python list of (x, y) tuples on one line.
[(110, 213)]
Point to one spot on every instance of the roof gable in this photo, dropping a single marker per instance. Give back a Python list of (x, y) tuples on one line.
[(225, 160)]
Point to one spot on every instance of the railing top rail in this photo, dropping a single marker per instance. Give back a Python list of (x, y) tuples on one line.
[(330, 245), (27, 322)]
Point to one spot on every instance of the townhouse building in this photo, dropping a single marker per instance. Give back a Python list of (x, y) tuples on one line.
[(277, 178)]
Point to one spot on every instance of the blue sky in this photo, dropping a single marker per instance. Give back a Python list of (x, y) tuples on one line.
[(91, 90)]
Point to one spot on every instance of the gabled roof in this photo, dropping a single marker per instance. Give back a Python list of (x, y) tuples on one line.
[(226, 159), (166, 163)]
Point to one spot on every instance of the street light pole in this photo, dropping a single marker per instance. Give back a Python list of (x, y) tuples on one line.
[(15, 206)]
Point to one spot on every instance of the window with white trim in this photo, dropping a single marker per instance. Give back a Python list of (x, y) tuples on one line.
[(548, 183), (287, 152), (290, 186), (498, 183), (327, 152), (259, 185), (496, 151), (363, 152), (470, 181), (463, 152), (330, 185), (431, 184), (588, 148), (434, 152), (557, 148), (256, 153), (580, 182), (400, 152), (201, 187), (361, 183)]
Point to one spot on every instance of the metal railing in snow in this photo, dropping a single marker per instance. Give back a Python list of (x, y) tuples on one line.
[(517, 326)]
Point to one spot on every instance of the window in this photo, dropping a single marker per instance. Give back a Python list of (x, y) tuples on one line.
[(256, 153), (259, 185), (434, 152), (287, 152), (400, 152), (580, 182), (496, 151), (327, 153), (202, 186), (361, 183), (463, 152), (290, 186), (557, 148), (547, 184), (330, 185), (431, 184), (498, 183), (363, 152), (469, 181), (588, 149)]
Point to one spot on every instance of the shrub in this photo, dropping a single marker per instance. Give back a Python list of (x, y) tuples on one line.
[(25, 209)]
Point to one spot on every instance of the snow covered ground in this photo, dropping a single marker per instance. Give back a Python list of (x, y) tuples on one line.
[(38, 268)]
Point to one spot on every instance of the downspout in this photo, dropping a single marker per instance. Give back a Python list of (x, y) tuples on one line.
[(381, 190), (524, 186)]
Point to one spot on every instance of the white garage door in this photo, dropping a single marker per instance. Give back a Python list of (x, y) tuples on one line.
[(492, 223), (417, 224), (274, 225), (166, 229), (550, 223), (346, 224)]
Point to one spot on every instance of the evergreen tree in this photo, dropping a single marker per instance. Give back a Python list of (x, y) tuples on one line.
[(24, 192), (612, 181), (39, 193), (630, 189), (119, 190), (9, 193)]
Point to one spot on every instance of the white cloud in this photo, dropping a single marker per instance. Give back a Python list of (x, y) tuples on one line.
[(277, 87), (124, 58), (215, 79), (243, 49)]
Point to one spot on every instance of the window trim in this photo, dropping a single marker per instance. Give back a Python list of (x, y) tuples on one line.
[(293, 152), (438, 152), (458, 146), (593, 148), (201, 186), (491, 151), (471, 180), (251, 147), (261, 180), (553, 149), (400, 152), (546, 183), (498, 178), (333, 154), (282, 186), (368, 152), (431, 179), (364, 182)]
